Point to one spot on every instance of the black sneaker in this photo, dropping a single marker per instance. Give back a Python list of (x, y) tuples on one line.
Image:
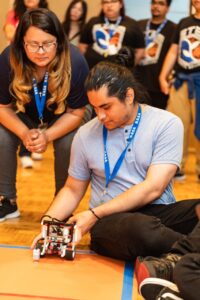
[(162, 268), (169, 293), (150, 288), (8, 209), (179, 176)]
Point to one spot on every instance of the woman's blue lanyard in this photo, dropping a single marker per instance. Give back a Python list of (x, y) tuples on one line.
[(108, 25), (109, 176), (40, 101), (159, 29)]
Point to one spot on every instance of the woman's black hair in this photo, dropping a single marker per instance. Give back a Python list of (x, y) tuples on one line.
[(67, 21), (43, 19), (117, 78), (125, 57), (20, 8)]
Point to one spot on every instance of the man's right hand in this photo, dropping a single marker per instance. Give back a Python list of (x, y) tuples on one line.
[(36, 239)]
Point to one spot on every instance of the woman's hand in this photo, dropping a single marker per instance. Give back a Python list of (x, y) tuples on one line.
[(36, 141), (84, 222)]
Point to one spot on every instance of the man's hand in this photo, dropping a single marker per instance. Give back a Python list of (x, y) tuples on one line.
[(36, 239), (84, 222)]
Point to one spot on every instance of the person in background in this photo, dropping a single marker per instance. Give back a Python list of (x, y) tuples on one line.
[(158, 37), (14, 15), (184, 53), (74, 20), (104, 35), (129, 154), (42, 99), (11, 23)]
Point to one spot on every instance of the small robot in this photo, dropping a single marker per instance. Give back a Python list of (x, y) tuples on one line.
[(57, 238)]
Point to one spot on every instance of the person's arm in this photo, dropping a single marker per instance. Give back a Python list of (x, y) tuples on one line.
[(10, 26), (64, 125), (9, 31), (66, 201), (168, 65), (156, 181), (10, 120), (68, 198)]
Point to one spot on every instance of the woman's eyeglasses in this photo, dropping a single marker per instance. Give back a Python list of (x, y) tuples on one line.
[(35, 47)]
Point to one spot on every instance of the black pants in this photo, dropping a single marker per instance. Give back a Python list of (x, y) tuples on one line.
[(151, 230), (187, 276), (187, 271), (158, 99)]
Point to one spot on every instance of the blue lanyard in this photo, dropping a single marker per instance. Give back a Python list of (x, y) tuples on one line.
[(159, 29), (40, 101), (109, 176), (108, 25)]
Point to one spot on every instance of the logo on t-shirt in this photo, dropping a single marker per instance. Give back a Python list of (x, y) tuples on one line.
[(153, 48), (108, 39), (189, 45)]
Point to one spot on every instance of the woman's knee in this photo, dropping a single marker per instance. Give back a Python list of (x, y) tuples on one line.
[(7, 138), (63, 144)]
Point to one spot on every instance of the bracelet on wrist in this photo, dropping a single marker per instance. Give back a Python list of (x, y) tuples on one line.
[(92, 211)]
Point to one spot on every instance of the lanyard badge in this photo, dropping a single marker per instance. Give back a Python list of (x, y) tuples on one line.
[(40, 100), (110, 176), (151, 39)]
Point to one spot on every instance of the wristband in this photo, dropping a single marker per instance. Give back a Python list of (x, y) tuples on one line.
[(92, 211)]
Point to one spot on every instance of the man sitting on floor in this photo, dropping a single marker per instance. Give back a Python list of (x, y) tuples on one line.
[(129, 153)]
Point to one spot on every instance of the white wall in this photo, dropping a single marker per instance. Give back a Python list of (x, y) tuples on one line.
[(140, 9)]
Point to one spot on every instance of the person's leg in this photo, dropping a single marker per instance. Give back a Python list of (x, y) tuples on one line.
[(153, 229), (25, 157), (187, 276), (23, 151), (62, 148), (180, 105), (127, 235), (163, 267), (8, 168), (179, 216), (8, 162), (159, 289)]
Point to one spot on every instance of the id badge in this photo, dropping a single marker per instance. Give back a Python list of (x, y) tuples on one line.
[(42, 126)]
